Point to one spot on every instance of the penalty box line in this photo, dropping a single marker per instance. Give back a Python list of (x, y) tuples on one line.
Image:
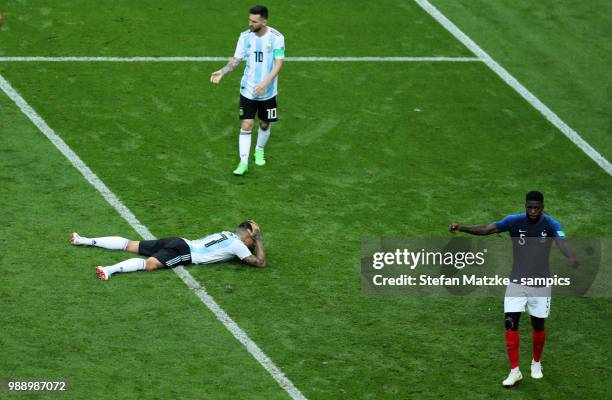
[(516, 85), (220, 59), (144, 232)]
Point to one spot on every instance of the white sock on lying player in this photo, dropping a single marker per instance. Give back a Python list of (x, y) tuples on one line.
[(107, 242), (131, 265)]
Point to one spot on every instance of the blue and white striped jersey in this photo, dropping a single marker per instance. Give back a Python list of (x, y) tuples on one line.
[(217, 247), (260, 54)]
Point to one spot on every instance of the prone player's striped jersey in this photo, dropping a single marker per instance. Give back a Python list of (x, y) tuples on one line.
[(260, 54), (217, 247)]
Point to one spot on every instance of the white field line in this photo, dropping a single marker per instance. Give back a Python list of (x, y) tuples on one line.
[(209, 59), (185, 276), (517, 86)]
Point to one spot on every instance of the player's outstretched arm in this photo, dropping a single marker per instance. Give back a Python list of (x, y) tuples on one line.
[(232, 63), (474, 229), (567, 252)]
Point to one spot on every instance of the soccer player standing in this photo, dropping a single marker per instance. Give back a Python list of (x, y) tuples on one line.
[(531, 233), (263, 47)]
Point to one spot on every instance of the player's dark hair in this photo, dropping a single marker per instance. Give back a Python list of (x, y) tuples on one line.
[(246, 225), (262, 11), (534, 195)]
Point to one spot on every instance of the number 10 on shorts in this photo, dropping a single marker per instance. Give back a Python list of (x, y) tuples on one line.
[(271, 113)]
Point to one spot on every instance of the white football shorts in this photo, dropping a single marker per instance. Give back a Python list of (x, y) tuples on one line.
[(537, 300)]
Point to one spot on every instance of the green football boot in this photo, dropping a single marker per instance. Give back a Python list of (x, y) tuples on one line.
[(241, 169), (259, 157)]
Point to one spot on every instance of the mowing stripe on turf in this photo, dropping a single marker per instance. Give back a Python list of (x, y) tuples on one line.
[(209, 59), (516, 85), (143, 231)]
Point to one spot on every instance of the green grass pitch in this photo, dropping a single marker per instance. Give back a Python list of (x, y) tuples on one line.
[(361, 150)]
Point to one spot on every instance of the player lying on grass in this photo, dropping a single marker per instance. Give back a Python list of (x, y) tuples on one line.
[(170, 252)]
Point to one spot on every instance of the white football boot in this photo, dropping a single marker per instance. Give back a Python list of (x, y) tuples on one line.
[(513, 378), (536, 370)]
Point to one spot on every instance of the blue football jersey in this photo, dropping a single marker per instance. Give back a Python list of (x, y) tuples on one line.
[(531, 242)]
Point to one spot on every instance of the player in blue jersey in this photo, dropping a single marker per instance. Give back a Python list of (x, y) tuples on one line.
[(532, 233), (263, 48), (170, 252)]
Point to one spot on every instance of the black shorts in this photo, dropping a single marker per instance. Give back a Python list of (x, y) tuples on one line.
[(265, 109), (169, 251)]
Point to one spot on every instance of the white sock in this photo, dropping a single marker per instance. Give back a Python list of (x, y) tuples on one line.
[(131, 265), (262, 137), (108, 242), (244, 145)]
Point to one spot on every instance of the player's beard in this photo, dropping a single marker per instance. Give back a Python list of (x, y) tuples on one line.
[(255, 30)]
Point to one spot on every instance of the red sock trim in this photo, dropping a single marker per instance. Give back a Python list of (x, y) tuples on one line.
[(538, 339), (512, 346)]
